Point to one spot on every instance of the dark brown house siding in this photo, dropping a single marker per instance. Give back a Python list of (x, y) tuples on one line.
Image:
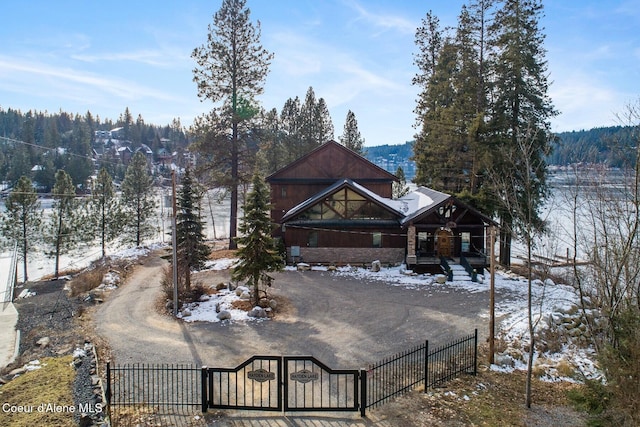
[(319, 169)]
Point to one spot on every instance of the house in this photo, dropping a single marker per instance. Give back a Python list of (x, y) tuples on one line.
[(333, 206)]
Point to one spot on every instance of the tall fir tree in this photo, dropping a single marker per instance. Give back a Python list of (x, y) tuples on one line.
[(351, 137), (521, 107), (22, 219), (62, 229), (231, 68), (257, 252), (105, 215), (192, 251), (137, 200)]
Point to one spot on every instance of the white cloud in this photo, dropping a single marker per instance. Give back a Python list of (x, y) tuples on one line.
[(19, 75), (385, 21)]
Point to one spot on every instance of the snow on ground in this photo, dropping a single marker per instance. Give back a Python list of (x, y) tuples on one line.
[(554, 304)]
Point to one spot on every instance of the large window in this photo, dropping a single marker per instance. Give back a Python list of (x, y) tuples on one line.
[(346, 204), (312, 239), (377, 240)]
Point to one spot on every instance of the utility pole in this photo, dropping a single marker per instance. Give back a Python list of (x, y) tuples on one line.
[(174, 242), (492, 291)]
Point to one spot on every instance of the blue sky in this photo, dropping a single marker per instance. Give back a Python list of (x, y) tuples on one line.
[(356, 54)]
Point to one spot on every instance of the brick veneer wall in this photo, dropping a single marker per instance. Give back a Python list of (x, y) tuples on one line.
[(342, 256)]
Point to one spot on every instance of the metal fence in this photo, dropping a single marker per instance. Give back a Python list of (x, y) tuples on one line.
[(163, 388), (401, 373), (7, 295), (180, 388)]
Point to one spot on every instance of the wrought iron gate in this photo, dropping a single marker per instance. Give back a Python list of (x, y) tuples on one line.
[(299, 383), (310, 385), (255, 384)]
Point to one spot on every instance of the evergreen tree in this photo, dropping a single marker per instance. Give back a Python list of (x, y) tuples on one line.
[(22, 219), (137, 199), (520, 105), (61, 232), (257, 252), (324, 124), (231, 67), (104, 211), (400, 188), (192, 250), (290, 126), (351, 137)]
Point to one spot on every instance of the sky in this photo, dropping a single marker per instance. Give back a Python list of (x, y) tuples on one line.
[(102, 57)]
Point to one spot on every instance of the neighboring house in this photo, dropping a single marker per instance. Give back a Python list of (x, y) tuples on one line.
[(334, 207)]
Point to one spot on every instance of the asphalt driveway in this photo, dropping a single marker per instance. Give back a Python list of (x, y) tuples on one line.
[(344, 322)]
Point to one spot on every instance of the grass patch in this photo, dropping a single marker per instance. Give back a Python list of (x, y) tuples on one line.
[(51, 384)]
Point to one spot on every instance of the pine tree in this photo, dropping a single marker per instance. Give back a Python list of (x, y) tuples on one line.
[(400, 188), (351, 137), (62, 230), (257, 252), (521, 105), (231, 67), (192, 250), (137, 199), (22, 219), (105, 215)]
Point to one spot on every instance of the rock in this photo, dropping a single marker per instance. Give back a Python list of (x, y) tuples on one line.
[(504, 360), (224, 315), (220, 286), (441, 279), (302, 266), (549, 282), (257, 312), (204, 297), (18, 371), (332, 268), (241, 289), (231, 286), (264, 303), (43, 342), (273, 304), (186, 312), (376, 266), (245, 295)]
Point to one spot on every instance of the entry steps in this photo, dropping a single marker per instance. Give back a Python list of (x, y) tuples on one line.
[(459, 273)]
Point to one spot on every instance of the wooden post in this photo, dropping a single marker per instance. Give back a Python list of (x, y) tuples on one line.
[(492, 289)]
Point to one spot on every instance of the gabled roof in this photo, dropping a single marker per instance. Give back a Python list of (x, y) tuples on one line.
[(424, 201), (335, 161), (387, 204)]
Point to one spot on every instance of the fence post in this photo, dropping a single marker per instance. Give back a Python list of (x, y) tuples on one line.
[(108, 390), (363, 392), (203, 389), (475, 353), (426, 364)]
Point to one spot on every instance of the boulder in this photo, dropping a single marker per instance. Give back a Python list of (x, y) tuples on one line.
[(257, 312), (220, 286), (273, 304), (224, 315), (376, 266), (246, 295), (43, 342), (441, 279)]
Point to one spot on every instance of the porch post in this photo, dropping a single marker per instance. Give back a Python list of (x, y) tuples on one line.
[(412, 259)]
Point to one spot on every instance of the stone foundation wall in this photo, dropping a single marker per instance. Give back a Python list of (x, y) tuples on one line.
[(343, 256)]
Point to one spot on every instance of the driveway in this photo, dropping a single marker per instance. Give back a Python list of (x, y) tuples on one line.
[(344, 322)]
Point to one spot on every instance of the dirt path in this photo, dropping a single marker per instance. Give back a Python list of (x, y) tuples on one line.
[(344, 322)]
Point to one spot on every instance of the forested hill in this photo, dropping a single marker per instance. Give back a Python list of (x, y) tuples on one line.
[(607, 145)]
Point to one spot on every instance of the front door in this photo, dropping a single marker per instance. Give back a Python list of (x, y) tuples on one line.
[(445, 243)]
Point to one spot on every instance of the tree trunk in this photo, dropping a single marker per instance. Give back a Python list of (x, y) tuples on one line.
[(505, 244)]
